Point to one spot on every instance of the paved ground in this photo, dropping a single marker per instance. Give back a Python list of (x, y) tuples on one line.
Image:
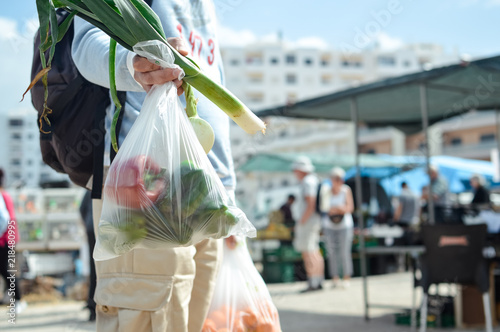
[(331, 310)]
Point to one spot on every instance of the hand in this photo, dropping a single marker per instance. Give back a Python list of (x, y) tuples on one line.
[(147, 74), (231, 242)]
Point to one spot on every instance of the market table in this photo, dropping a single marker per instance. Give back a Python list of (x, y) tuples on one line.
[(414, 252)]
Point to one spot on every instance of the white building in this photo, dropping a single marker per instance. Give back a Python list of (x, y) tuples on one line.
[(21, 158), (267, 74)]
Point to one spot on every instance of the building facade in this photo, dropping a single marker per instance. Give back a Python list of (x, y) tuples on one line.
[(21, 158)]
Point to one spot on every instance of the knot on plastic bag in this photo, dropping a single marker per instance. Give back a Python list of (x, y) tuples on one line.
[(158, 53)]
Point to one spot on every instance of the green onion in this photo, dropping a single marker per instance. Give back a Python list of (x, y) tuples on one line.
[(132, 21)]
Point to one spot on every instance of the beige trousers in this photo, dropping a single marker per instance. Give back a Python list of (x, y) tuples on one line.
[(167, 290)]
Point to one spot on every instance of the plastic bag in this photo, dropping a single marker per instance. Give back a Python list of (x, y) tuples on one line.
[(241, 301), (161, 190)]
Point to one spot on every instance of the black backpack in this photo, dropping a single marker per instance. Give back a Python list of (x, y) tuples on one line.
[(72, 140)]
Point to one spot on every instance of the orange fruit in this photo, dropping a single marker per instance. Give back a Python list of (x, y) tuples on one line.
[(249, 318), (224, 329), (219, 318), (209, 326), (265, 327)]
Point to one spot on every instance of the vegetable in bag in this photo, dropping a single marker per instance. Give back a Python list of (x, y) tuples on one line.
[(241, 301)]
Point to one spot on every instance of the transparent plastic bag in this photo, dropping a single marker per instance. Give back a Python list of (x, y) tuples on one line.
[(161, 190), (241, 300)]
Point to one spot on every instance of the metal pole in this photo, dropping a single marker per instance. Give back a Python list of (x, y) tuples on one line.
[(359, 204), (425, 128)]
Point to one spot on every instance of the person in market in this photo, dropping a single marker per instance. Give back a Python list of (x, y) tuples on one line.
[(338, 227), (408, 209), (439, 193), (286, 210), (86, 214), (481, 193), (164, 289), (308, 226), (8, 240)]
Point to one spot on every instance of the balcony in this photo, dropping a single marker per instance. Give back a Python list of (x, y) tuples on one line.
[(478, 151)]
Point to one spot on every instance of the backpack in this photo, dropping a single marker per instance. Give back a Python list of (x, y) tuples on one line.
[(72, 141)]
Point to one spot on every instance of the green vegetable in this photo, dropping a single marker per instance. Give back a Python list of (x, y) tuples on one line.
[(122, 237)]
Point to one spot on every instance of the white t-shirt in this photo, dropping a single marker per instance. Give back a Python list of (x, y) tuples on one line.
[(308, 188), (339, 200)]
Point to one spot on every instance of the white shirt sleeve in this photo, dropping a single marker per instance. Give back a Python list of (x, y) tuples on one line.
[(90, 51)]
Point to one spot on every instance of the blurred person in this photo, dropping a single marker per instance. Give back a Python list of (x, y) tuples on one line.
[(481, 193), (408, 209), (308, 226), (286, 210), (338, 228), (9, 239), (86, 214), (438, 186), (439, 193)]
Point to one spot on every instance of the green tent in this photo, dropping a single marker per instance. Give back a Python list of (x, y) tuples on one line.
[(281, 162), (450, 91)]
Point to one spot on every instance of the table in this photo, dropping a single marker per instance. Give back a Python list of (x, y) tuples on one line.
[(402, 251)]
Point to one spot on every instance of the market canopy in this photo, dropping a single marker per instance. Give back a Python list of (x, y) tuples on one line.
[(282, 162), (451, 90)]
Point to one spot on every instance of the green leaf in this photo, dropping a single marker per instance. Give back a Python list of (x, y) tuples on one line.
[(136, 23), (101, 26), (54, 32), (43, 8), (77, 6), (112, 20), (150, 16), (64, 26), (114, 94)]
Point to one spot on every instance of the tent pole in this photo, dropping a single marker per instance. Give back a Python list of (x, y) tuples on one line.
[(359, 204), (425, 127)]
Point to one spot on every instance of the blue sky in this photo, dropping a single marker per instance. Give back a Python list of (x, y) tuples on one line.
[(468, 26)]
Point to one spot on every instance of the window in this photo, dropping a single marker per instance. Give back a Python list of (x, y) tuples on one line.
[(255, 77), (16, 136), (29, 162), (406, 63), (254, 58), (15, 162), (456, 141), (234, 62), (290, 59), (16, 176), (371, 151), (30, 136), (16, 122), (352, 63), (255, 97), (387, 61), (487, 138), (326, 79), (274, 61), (325, 63), (291, 78), (285, 183), (308, 61)]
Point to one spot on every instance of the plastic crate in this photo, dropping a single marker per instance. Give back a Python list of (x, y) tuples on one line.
[(289, 254), (405, 319), (278, 272)]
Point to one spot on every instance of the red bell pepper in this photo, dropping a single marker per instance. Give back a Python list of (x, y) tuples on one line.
[(135, 183)]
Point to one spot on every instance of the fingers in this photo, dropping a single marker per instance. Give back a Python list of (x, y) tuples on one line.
[(143, 65), (157, 77), (179, 45)]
